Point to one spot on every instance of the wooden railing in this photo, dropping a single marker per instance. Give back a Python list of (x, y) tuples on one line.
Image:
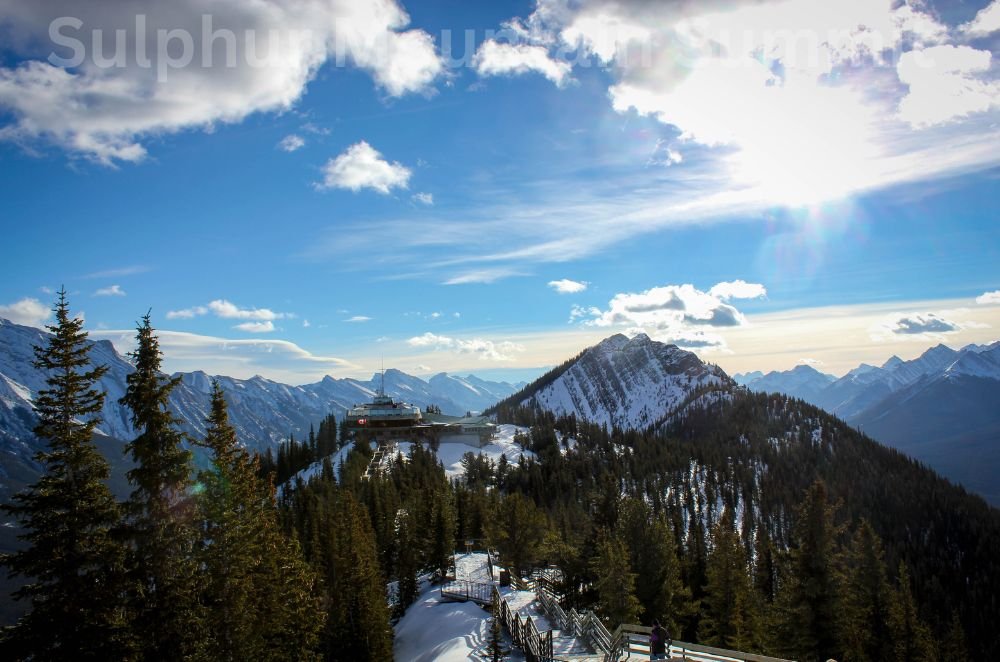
[(464, 590), (537, 646)]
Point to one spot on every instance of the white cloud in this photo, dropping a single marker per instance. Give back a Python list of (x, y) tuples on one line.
[(306, 324), (358, 318), (738, 289), (678, 314), (494, 58), (486, 350), (45, 289), (809, 362), (105, 113), (227, 310), (986, 22), (946, 83), (118, 272), (291, 142), (256, 327), (567, 286), (361, 166), (113, 291), (424, 198), (28, 311), (989, 298), (186, 313), (243, 358)]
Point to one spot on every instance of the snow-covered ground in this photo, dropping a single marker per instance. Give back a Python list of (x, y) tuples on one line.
[(450, 454)]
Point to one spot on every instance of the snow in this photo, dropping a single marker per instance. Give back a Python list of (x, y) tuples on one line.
[(504, 444), (433, 629)]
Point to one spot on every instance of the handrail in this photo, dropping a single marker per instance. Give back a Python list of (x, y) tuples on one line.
[(630, 638), (464, 589)]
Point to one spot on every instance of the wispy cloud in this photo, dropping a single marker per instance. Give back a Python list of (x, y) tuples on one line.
[(358, 319), (989, 298), (227, 310), (256, 327), (186, 313), (277, 359), (291, 143), (119, 272), (112, 291), (487, 350), (424, 198)]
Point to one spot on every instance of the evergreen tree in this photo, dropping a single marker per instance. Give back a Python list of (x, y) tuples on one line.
[(911, 638), (517, 529), (443, 542), (615, 583), (953, 648), (74, 561), (406, 561), (809, 604), (865, 616), (169, 619), (728, 619), (495, 648)]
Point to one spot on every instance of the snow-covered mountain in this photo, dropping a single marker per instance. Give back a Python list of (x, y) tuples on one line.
[(802, 381), (263, 411), (628, 383), (943, 408)]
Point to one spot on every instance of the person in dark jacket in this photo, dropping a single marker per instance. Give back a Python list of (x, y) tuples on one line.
[(659, 642)]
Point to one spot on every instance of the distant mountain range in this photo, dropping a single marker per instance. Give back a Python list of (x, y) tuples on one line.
[(263, 411), (942, 408)]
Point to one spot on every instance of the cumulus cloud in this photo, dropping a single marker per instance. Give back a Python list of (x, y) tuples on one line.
[(202, 63), (679, 314), (494, 58), (256, 327), (361, 166), (986, 22), (988, 298), (27, 311), (424, 198), (946, 83), (113, 291), (923, 323), (291, 143), (567, 286), (486, 350)]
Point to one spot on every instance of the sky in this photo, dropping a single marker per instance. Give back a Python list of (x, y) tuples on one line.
[(295, 188)]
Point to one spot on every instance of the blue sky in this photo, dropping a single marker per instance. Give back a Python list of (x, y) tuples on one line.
[(490, 187)]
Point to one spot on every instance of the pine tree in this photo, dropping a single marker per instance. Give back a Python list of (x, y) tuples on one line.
[(517, 529), (953, 647), (865, 616), (728, 617), (74, 560), (169, 619), (615, 582)]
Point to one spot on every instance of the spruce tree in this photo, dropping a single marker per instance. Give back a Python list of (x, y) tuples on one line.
[(912, 639), (615, 582), (258, 592), (728, 616), (809, 602), (495, 648), (867, 596), (74, 561), (169, 619), (406, 561)]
